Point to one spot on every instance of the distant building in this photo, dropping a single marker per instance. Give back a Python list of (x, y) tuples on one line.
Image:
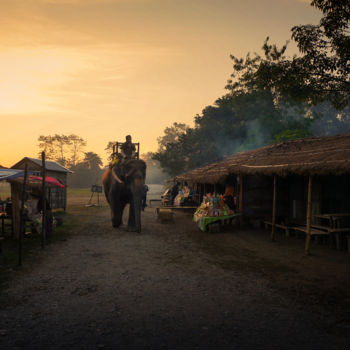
[(57, 196)]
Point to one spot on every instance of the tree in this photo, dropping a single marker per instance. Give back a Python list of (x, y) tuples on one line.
[(92, 160), (320, 73), (171, 153), (109, 149), (61, 142), (46, 144), (273, 98), (62, 148), (87, 172), (77, 144), (172, 134)]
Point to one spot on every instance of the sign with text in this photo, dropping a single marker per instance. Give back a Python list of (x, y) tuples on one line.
[(96, 188)]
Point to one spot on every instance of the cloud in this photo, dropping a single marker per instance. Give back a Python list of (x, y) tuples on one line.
[(56, 23), (78, 2)]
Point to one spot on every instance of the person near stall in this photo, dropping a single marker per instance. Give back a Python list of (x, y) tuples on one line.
[(174, 192), (36, 212), (229, 196)]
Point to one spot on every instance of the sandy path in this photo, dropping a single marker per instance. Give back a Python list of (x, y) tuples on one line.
[(166, 288)]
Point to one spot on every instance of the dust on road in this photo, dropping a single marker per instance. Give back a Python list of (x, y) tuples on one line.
[(174, 287)]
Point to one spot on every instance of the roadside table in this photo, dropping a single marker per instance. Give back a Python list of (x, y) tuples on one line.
[(204, 221), (334, 225)]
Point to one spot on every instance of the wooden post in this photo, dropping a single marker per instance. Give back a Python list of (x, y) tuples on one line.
[(43, 200), (241, 194), (22, 219), (16, 210), (308, 217), (50, 198), (240, 204), (274, 208)]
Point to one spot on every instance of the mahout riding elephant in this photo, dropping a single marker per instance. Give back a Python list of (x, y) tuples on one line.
[(123, 183)]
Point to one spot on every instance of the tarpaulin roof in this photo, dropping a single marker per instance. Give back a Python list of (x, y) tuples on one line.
[(10, 174), (16, 175), (48, 179)]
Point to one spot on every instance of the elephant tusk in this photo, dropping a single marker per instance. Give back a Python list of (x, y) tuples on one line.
[(116, 177)]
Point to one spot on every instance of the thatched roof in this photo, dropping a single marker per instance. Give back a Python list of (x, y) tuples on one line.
[(314, 156)]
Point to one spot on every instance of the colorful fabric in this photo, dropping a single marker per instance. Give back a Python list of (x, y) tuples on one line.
[(49, 180)]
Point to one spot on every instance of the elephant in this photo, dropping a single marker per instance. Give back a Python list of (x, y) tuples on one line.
[(123, 183)]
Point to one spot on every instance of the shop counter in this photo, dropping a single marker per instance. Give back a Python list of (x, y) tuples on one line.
[(204, 221)]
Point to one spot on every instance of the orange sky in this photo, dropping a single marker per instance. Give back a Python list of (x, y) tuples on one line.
[(102, 69)]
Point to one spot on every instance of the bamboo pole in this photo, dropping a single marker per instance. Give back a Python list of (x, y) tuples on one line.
[(273, 226), (22, 220), (308, 217), (241, 194), (43, 201), (240, 204)]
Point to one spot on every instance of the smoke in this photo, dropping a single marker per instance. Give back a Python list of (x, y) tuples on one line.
[(154, 173), (253, 136), (329, 121)]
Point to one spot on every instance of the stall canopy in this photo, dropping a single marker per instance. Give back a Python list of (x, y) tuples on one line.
[(49, 180), (11, 174), (16, 175)]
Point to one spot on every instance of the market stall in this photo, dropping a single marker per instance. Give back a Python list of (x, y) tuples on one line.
[(212, 209)]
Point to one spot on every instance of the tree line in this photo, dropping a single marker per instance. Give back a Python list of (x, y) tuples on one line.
[(270, 98), (273, 97), (88, 167)]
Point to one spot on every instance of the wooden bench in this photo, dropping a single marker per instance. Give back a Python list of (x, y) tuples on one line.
[(321, 227), (337, 233), (333, 231), (284, 227), (313, 231)]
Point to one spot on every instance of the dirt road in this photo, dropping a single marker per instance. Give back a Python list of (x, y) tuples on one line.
[(173, 287)]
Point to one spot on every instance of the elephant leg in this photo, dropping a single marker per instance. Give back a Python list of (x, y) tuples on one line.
[(117, 214), (131, 221)]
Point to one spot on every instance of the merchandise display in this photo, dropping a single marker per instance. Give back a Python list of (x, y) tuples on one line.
[(213, 205), (212, 209)]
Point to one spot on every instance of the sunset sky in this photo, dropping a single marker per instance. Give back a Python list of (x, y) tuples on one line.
[(102, 69)]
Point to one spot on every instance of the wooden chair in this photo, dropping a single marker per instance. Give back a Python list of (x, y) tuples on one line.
[(117, 146)]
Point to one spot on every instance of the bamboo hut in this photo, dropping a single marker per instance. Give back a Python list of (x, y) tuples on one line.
[(294, 181), (57, 196), (16, 178)]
